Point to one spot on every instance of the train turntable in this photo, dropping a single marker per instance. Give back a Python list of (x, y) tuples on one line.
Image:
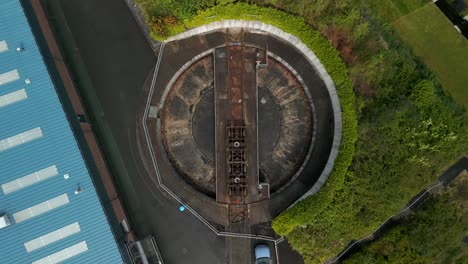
[(241, 125)]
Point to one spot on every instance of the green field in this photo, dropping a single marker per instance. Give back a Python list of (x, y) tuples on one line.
[(393, 9), (444, 50)]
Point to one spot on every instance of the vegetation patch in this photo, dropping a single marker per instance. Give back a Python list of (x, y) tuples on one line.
[(400, 150), (433, 38), (435, 233)]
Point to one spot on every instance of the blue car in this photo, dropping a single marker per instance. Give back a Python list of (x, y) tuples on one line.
[(262, 254)]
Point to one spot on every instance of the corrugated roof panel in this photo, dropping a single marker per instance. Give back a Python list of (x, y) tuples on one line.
[(3, 46), (52, 237), (29, 179), (63, 254), (13, 97), (57, 146)]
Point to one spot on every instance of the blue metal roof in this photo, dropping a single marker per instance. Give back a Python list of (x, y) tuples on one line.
[(57, 146)]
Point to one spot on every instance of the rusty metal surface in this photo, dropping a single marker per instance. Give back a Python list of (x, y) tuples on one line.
[(236, 159), (236, 124)]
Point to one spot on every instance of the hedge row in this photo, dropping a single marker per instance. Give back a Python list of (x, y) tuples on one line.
[(303, 212)]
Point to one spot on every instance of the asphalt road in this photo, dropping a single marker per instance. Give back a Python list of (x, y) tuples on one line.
[(118, 61), (112, 62)]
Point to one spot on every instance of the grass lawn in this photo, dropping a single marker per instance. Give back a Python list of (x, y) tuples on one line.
[(393, 9), (441, 47)]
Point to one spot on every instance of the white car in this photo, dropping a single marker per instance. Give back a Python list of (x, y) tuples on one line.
[(262, 254)]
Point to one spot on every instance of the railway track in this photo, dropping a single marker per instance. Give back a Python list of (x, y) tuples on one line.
[(236, 112), (236, 154)]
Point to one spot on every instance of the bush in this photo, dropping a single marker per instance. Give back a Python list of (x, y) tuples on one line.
[(433, 234)]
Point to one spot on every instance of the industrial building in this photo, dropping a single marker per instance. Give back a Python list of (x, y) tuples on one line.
[(50, 211)]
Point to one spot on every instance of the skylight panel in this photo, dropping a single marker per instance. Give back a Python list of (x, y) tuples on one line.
[(29, 179), (13, 97), (64, 254), (3, 46), (41, 208), (21, 138), (9, 77), (52, 237)]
